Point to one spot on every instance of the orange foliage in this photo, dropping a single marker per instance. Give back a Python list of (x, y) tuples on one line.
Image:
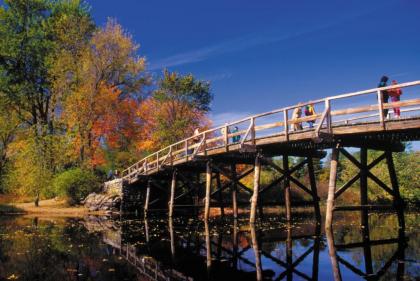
[(105, 119), (165, 122)]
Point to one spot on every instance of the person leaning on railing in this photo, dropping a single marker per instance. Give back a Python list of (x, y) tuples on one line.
[(395, 97), (297, 113)]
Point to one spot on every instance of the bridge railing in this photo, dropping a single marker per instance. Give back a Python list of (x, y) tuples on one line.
[(334, 111)]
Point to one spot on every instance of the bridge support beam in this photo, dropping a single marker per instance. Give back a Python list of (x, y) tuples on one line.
[(363, 175), (172, 196), (208, 189), (234, 189), (331, 189), (146, 203), (287, 199), (254, 198), (219, 187), (314, 190)]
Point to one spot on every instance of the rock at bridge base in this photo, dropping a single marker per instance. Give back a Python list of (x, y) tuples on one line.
[(102, 202)]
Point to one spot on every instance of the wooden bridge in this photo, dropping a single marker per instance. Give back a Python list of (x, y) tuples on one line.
[(360, 119)]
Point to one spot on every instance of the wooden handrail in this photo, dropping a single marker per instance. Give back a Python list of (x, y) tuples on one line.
[(326, 116)]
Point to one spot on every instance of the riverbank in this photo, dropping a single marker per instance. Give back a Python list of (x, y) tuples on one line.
[(50, 207)]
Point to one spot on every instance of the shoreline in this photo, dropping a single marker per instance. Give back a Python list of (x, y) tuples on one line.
[(50, 208)]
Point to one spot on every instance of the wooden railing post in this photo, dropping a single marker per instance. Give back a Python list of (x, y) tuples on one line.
[(157, 161), (204, 144), (186, 149), (226, 136), (171, 156), (286, 124), (328, 117), (381, 108), (253, 130)]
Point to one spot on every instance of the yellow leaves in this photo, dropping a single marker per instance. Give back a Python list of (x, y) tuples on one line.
[(13, 277)]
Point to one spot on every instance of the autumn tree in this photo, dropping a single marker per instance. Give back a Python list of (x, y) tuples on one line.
[(175, 109), (111, 76)]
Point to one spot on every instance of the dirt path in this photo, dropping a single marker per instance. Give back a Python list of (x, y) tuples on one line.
[(54, 207)]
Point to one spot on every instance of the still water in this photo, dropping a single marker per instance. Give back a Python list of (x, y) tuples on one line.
[(96, 248)]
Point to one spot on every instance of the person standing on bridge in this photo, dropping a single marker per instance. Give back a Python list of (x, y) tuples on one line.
[(309, 111), (395, 97), (297, 113), (385, 95), (235, 138)]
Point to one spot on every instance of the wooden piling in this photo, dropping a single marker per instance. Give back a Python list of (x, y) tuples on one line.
[(331, 188), (234, 190), (208, 245), (363, 184), (208, 188), (364, 213), (254, 199), (171, 200), (255, 246), (331, 250), (289, 253), (219, 187), (287, 199), (146, 203), (172, 237), (398, 202), (314, 190)]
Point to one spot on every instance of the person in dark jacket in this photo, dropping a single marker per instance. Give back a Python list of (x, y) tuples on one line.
[(385, 95)]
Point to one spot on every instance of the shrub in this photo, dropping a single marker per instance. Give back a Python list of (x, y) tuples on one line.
[(75, 184)]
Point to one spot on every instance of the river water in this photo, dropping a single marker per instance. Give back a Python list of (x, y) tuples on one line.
[(96, 248)]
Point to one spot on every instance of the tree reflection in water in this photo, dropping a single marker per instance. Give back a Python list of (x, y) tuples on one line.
[(187, 249)]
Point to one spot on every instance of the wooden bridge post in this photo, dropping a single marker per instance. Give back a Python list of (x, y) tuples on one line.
[(364, 213), (146, 203), (208, 189), (255, 246), (314, 190), (208, 245), (234, 190), (332, 253), (254, 198), (287, 200), (331, 189), (171, 200), (398, 202), (219, 187), (172, 237), (289, 252), (363, 186)]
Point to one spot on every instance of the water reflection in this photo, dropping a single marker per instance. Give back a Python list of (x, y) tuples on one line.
[(187, 249), (372, 270)]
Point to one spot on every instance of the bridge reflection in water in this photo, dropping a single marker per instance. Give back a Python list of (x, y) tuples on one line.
[(163, 249)]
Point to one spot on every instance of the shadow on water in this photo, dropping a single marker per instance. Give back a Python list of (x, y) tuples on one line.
[(98, 248)]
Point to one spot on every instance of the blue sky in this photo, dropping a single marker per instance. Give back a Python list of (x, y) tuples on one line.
[(262, 55)]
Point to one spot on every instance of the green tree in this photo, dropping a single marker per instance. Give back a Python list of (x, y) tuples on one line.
[(177, 107), (9, 124)]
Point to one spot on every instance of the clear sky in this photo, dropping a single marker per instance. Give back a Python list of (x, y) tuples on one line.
[(262, 55)]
